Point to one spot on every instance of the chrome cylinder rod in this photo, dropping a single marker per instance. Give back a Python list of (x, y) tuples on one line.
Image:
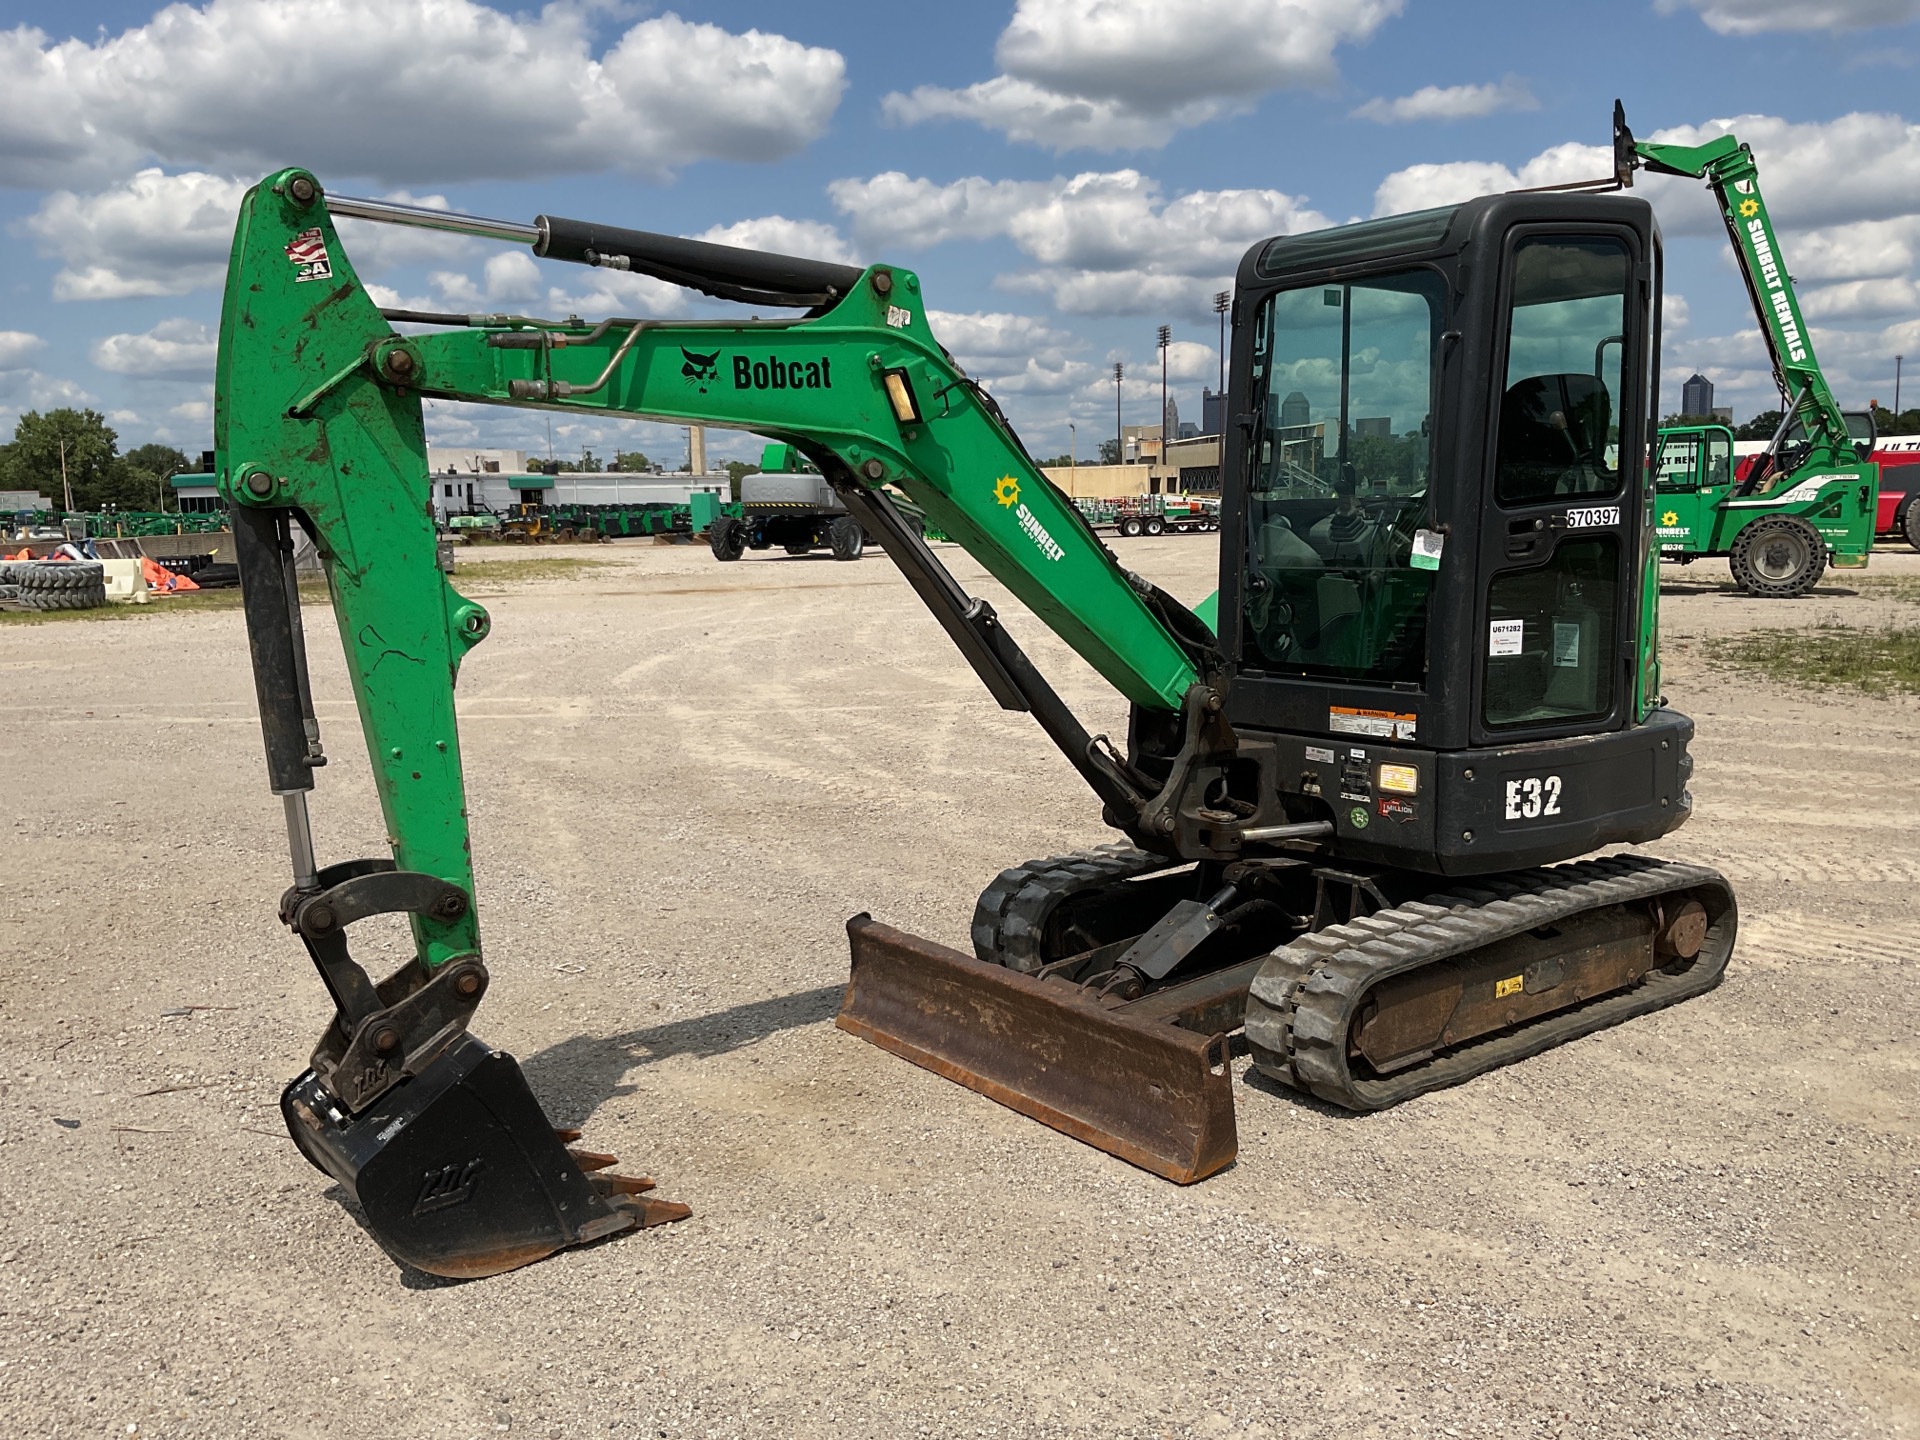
[(1273, 834), (300, 840), (390, 212)]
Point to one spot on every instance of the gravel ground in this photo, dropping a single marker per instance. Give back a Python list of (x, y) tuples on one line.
[(684, 777)]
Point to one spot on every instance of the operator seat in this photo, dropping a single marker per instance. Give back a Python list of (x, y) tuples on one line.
[(1553, 430)]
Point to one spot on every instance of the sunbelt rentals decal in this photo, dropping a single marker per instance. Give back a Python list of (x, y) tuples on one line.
[(1007, 491), (1772, 282)]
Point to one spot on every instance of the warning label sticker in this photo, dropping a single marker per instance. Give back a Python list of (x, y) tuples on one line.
[(1380, 724)]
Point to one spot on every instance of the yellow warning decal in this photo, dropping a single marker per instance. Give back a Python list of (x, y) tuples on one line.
[(1504, 988)]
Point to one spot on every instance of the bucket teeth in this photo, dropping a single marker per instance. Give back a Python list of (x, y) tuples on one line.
[(591, 1160), (660, 1212), (622, 1184), (565, 1137)]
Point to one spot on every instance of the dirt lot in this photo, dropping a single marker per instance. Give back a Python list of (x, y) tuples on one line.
[(684, 778)]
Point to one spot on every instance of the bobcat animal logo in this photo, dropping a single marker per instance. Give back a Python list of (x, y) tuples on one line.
[(700, 370)]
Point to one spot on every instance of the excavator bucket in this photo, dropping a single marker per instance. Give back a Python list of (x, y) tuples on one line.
[(1146, 1084), (458, 1171)]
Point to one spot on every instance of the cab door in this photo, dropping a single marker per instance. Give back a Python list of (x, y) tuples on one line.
[(1564, 488), (1680, 468)]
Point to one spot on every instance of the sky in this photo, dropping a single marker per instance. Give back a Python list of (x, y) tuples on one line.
[(1065, 175)]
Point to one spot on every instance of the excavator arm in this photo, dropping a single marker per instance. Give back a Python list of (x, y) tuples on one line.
[(319, 426)]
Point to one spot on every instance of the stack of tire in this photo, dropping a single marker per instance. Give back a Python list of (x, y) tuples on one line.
[(54, 585)]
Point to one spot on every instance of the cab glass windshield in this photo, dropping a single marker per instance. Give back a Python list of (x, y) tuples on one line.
[(1342, 405)]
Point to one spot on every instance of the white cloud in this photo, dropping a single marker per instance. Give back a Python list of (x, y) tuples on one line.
[(1862, 300), (1170, 52), (1452, 102), (1859, 166), (1845, 197), (1104, 242), (1189, 360), (777, 235), (1754, 17), (895, 209), (1844, 193), (162, 235), (15, 347), (447, 89), (1036, 376), (1012, 354), (1035, 116), (1674, 312), (152, 235), (1422, 187), (993, 335), (35, 390), (173, 347), (514, 281), (1128, 74)]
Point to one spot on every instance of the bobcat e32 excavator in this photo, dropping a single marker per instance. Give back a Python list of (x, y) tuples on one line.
[(1431, 672)]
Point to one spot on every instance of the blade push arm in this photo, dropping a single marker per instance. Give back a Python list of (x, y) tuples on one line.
[(1729, 169)]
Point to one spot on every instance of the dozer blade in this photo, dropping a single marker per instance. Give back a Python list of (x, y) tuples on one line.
[(458, 1171), (1146, 1090)]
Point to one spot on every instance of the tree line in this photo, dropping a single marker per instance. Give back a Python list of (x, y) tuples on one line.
[(99, 475)]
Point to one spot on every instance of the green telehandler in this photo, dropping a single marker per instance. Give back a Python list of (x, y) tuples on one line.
[(1347, 783), (1812, 495)]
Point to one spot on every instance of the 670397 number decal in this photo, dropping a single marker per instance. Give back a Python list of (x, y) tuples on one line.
[(1593, 516), (1533, 797)]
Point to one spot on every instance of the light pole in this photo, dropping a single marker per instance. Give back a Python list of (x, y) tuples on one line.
[(1222, 302), (1165, 338), (1119, 437), (1073, 447), (1896, 386)]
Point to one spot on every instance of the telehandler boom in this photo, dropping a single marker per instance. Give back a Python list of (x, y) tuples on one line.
[(1814, 493), (1430, 672)]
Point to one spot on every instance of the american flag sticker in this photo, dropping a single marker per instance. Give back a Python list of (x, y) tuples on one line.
[(308, 252)]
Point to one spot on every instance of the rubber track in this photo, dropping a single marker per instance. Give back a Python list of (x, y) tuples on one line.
[(1010, 917), (1302, 1004)]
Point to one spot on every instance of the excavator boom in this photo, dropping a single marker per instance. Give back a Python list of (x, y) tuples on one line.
[(319, 424)]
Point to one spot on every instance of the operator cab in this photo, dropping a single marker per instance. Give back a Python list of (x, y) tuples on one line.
[(1428, 469), (1431, 537)]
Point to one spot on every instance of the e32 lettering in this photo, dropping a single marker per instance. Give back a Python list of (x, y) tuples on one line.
[(1533, 797)]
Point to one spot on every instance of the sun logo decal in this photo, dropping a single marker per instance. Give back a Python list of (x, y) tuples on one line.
[(1672, 517), (1006, 490), (1749, 209)]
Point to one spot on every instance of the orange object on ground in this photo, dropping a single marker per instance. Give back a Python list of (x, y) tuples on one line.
[(158, 577)]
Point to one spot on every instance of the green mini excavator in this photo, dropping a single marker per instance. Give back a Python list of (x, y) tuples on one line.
[(1430, 676)]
